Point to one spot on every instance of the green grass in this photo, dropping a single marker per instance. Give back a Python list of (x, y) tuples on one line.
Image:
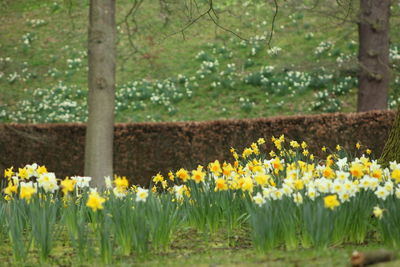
[(162, 55), (191, 248)]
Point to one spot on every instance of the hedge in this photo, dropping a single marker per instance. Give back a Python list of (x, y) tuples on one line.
[(143, 149)]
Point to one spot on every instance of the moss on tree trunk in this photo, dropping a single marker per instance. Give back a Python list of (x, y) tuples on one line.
[(391, 151)]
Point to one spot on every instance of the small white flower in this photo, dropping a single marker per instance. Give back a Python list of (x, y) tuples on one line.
[(48, 182), (365, 182), (286, 189), (397, 193), (259, 199), (374, 183), (267, 192), (298, 198), (389, 186), (337, 187), (276, 194), (108, 182), (120, 192), (142, 194), (82, 181), (381, 193), (341, 163), (93, 190), (178, 189), (394, 165), (312, 194), (342, 175)]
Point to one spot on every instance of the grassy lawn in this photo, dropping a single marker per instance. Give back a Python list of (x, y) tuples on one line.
[(191, 248), (44, 46)]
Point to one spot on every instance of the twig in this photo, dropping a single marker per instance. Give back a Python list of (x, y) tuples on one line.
[(208, 13), (273, 24)]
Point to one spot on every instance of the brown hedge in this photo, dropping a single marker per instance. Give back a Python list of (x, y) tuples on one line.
[(143, 149)]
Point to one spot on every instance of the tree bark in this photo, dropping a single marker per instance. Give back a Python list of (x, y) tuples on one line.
[(373, 55), (101, 81), (391, 151)]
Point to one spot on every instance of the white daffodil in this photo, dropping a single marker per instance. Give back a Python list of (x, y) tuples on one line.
[(381, 193), (312, 193), (298, 198), (341, 163), (108, 182), (142, 194), (344, 196), (342, 175), (259, 199), (48, 182), (120, 192), (82, 181)]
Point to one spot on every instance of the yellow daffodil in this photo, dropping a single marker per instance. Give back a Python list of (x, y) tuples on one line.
[(378, 212), (171, 176), (121, 182), (227, 169), (220, 185), (277, 165), (377, 173), (158, 178), (8, 173), (328, 173), (247, 184), (356, 170), (215, 168), (67, 185), (247, 152), (298, 184), (304, 145), (261, 179), (95, 201), (198, 175), (294, 144), (27, 190), (261, 141), (23, 173), (182, 174), (10, 189), (41, 170), (396, 175), (331, 202)]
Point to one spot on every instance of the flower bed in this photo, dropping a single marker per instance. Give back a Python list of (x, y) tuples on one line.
[(286, 197)]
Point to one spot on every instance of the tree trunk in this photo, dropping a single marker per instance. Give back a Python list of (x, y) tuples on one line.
[(101, 79), (391, 151), (373, 55)]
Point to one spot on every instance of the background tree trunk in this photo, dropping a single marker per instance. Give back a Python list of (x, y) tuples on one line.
[(373, 55), (391, 151), (101, 79)]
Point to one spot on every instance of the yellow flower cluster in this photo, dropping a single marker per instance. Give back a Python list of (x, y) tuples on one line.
[(295, 174)]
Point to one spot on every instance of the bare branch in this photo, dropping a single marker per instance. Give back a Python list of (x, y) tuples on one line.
[(209, 12), (225, 29), (131, 13), (273, 24)]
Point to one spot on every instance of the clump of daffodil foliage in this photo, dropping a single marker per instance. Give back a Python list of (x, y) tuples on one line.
[(285, 198)]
